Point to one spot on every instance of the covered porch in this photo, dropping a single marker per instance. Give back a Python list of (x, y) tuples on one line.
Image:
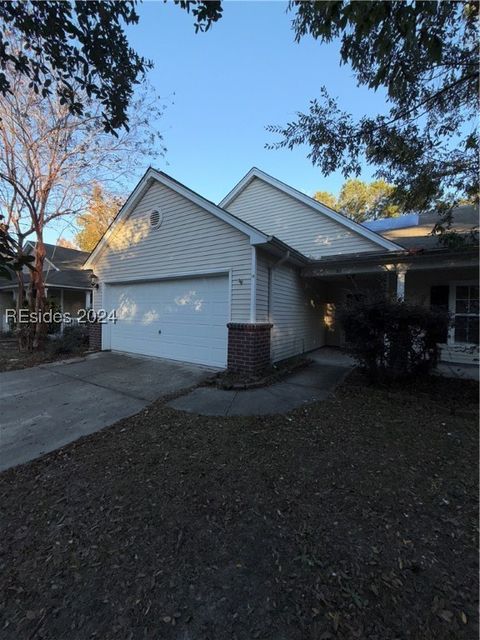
[(438, 279), (63, 299)]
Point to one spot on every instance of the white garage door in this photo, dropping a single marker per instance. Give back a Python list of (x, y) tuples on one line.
[(183, 319)]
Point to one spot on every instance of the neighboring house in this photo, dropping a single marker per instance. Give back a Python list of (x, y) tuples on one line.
[(258, 277), (67, 284)]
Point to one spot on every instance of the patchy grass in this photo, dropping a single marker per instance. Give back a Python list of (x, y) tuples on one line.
[(353, 518)]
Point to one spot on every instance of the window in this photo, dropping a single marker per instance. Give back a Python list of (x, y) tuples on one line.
[(466, 314)]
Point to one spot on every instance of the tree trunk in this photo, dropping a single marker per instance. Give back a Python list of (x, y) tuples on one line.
[(23, 334), (38, 301), (24, 344)]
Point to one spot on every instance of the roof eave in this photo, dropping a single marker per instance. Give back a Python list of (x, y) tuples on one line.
[(280, 248), (438, 257)]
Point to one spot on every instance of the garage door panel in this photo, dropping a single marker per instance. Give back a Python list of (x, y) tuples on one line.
[(177, 319)]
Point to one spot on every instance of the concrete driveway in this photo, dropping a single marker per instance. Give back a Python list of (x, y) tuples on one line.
[(46, 407)]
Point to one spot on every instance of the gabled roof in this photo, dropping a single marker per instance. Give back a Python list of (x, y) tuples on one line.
[(63, 268), (310, 202), (151, 176), (62, 257)]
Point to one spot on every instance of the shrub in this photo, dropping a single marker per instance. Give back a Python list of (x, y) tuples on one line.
[(391, 339), (73, 340)]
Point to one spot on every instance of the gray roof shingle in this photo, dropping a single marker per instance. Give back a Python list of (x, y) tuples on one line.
[(69, 263)]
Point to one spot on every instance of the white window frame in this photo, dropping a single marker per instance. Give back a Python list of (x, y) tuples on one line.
[(452, 300)]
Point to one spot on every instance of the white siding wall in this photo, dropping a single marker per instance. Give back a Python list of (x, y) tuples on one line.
[(296, 308), (310, 232), (190, 240)]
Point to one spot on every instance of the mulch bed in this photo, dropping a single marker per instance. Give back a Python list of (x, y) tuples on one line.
[(352, 518), (274, 373), (11, 359)]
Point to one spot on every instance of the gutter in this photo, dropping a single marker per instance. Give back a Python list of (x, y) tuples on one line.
[(391, 256), (282, 260), (281, 248), (437, 258)]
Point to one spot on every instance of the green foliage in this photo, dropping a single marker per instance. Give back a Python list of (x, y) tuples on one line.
[(82, 48), (205, 12), (391, 339), (73, 340), (362, 200), (451, 239), (68, 44), (54, 306), (425, 56)]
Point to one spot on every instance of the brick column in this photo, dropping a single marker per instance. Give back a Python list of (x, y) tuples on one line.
[(95, 336), (248, 347)]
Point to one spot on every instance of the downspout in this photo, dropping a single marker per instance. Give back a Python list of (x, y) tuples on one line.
[(279, 263), (253, 287), (282, 260), (253, 281)]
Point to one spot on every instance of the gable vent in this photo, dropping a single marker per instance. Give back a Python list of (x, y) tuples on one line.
[(156, 218)]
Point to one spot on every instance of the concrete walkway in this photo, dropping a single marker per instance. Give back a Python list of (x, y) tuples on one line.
[(311, 384), (46, 407)]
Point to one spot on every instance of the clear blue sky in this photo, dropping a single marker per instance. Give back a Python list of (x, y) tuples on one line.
[(226, 85)]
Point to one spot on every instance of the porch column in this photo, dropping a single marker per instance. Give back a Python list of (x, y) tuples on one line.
[(401, 273), (88, 299)]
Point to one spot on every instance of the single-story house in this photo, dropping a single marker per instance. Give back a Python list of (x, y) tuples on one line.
[(68, 285), (258, 277)]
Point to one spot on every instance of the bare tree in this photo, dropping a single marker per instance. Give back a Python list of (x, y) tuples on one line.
[(50, 158)]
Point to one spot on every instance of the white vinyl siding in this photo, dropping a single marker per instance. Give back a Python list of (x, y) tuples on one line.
[(190, 241), (295, 223), (296, 314), (294, 307)]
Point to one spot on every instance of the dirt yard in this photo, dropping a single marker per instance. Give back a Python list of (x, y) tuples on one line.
[(353, 518), (12, 359)]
